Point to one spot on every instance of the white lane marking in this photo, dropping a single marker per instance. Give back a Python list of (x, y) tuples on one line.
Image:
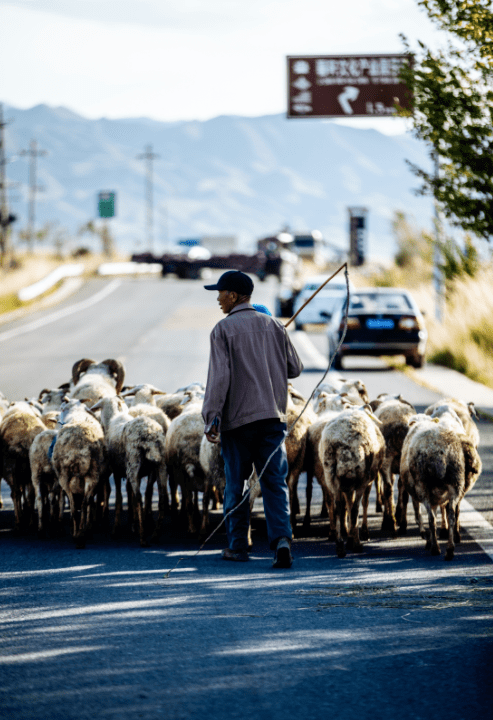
[(308, 349), (301, 338), (477, 527), (35, 324)]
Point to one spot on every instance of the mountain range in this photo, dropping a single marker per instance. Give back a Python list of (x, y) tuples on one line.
[(243, 176)]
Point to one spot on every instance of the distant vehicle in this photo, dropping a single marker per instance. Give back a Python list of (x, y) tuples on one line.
[(307, 245), (320, 309), (381, 321)]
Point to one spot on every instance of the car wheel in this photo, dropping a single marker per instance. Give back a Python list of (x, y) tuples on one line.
[(416, 361)]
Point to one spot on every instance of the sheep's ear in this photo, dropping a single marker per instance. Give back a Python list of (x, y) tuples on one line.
[(369, 410), (97, 406), (472, 409), (90, 411)]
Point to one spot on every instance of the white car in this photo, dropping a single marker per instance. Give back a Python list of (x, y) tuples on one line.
[(320, 309)]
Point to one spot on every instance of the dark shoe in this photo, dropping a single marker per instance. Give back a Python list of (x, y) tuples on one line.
[(235, 555), (283, 557)]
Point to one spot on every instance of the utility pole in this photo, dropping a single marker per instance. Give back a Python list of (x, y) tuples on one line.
[(437, 254), (4, 205), (149, 156), (33, 153)]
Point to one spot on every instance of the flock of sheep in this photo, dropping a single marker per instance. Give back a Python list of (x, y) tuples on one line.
[(69, 441)]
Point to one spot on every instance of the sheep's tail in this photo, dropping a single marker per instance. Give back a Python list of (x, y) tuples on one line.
[(153, 449)]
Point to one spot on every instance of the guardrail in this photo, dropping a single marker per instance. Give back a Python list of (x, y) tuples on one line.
[(129, 268), (40, 287)]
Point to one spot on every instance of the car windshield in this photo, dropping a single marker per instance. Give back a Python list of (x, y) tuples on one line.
[(380, 302)]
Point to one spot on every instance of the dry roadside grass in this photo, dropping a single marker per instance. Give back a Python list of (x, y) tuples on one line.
[(464, 340)]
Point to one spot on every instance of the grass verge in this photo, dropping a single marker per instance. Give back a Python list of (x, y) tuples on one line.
[(11, 301)]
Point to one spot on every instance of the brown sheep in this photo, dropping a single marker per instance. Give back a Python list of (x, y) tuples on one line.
[(18, 428), (394, 414)]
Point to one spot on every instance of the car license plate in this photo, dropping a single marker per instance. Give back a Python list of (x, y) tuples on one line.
[(379, 324)]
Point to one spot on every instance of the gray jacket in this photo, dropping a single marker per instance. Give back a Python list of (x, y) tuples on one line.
[(251, 360)]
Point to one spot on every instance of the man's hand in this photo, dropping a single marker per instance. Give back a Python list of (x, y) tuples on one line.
[(213, 436)]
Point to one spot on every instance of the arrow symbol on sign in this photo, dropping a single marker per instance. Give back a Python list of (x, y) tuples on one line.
[(350, 94)]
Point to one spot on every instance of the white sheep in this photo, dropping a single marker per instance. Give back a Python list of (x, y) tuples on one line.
[(212, 463), (327, 407), (135, 450), (47, 491), (93, 381), (465, 411), (174, 403), (51, 400), (352, 450), (80, 462), (355, 388), (439, 464), (182, 452), (144, 403)]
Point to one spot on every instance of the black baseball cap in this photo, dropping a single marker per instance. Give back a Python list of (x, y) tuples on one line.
[(233, 280)]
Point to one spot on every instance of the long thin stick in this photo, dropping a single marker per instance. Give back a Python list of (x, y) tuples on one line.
[(312, 296)]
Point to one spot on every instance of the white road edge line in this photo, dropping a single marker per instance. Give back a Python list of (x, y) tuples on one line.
[(477, 527), (35, 324)]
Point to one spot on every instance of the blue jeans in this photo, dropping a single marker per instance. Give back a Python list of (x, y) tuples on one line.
[(253, 443)]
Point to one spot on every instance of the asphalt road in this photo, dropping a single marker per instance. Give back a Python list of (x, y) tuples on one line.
[(107, 631)]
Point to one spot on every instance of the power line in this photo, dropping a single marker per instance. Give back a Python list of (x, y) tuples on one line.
[(34, 152), (149, 156)]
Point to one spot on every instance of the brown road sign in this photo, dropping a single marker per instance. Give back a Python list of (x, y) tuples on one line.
[(346, 85)]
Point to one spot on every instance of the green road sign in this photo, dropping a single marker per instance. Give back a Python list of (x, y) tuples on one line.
[(106, 204)]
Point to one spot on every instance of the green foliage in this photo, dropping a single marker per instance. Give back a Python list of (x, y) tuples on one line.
[(448, 359), (452, 109), (482, 335), (413, 246), (458, 262)]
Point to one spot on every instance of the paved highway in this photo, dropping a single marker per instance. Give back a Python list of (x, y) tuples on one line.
[(107, 631)]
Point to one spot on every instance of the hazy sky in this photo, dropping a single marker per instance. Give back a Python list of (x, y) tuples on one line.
[(185, 59)]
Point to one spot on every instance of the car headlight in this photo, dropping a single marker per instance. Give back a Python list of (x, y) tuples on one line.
[(352, 324)]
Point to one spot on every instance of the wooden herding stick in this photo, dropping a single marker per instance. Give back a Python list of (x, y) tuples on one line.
[(315, 293)]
